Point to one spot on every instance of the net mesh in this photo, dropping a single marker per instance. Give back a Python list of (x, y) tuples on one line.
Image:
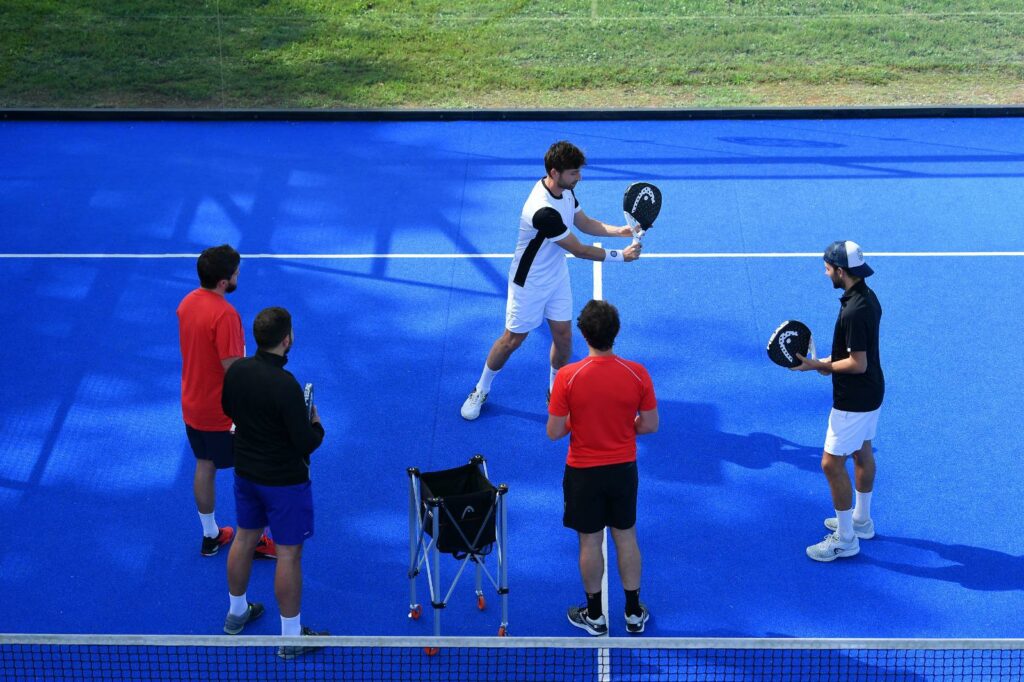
[(509, 659)]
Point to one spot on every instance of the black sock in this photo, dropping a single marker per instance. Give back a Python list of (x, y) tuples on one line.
[(633, 603), (594, 606)]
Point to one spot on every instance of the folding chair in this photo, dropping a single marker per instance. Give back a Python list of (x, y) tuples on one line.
[(458, 512)]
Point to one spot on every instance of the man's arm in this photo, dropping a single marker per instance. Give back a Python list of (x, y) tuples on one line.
[(577, 248), (227, 362), (557, 427), (595, 227), (646, 421), (857, 363), (305, 436)]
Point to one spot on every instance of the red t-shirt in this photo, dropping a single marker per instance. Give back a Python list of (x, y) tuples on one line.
[(209, 330), (601, 395)]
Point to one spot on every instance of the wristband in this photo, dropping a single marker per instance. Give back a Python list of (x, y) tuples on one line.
[(613, 256)]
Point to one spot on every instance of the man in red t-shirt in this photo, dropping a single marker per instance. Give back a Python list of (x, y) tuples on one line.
[(211, 337), (610, 400)]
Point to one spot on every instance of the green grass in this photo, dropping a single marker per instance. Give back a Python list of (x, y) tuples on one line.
[(509, 53)]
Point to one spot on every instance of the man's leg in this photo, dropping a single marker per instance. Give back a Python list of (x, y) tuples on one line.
[(834, 467), (561, 347), (288, 587), (502, 349), (240, 560), (203, 485), (592, 570), (627, 551), (864, 479), (240, 610), (499, 354)]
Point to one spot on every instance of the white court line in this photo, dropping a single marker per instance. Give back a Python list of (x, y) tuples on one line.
[(457, 256), (604, 663)]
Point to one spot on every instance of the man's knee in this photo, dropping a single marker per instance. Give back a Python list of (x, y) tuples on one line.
[(833, 465), (511, 341)]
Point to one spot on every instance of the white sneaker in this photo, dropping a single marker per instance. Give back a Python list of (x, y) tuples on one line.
[(471, 408), (865, 530), (832, 548)]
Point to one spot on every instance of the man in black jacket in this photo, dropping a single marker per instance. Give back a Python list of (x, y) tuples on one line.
[(273, 443)]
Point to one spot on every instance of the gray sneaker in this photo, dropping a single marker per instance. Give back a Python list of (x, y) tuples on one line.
[(635, 624), (832, 548), (290, 652), (578, 617), (865, 531), (471, 408), (235, 624)]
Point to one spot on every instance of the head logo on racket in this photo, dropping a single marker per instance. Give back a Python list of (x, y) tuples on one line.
[(641, 205), (792, 338)]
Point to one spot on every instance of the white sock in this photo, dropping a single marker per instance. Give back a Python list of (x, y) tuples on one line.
[(551, 379), (290, 627), (845, 525), (239, 605), (862, 508), (210, 528), (484, 385)]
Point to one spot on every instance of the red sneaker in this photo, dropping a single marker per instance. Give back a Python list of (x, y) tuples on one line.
[(212, 545), (265, 548)]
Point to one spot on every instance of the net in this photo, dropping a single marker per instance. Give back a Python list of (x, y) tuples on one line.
[(95, 657)]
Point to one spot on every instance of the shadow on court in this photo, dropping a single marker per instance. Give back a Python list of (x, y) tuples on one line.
[(975, 568), (701, 448)]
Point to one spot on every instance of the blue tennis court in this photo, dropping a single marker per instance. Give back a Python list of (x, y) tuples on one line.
[(390, 244)]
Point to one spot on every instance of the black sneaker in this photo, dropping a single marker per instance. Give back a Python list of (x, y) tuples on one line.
[(290, 652), (578, 617), (233, 625), (212, 545), (635, 624)]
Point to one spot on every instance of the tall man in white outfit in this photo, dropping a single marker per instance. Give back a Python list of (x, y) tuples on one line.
[(538, 281)]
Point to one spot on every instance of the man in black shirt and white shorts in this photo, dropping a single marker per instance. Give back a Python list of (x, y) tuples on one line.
[(538, 281), (858, 387)]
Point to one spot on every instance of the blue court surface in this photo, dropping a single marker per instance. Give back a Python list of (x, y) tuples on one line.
[(390, 244)]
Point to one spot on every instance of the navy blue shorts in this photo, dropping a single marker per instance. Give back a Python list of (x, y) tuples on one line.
[(286, 509), (217, 446)]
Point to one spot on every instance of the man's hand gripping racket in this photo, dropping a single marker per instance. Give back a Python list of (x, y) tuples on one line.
[(641, 205)]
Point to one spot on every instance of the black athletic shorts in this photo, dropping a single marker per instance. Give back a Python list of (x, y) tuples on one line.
[(598, 497), (217, 446)]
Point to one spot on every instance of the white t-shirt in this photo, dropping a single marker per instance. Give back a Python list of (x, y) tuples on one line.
[(539, 262)]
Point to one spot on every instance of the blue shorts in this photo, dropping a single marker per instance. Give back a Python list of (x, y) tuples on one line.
[(217, 446), (286, 509)]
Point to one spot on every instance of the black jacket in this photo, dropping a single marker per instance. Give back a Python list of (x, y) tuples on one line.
[(273, 437)]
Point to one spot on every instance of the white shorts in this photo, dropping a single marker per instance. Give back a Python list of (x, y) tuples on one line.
[(527, 308), (847, 431)]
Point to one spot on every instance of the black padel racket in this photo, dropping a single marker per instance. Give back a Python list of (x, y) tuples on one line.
[(641, 205), (792, 337)]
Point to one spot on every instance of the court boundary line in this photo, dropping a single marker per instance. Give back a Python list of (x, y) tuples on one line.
[(470, 256)]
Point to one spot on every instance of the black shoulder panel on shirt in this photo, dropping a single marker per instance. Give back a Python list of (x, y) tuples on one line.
[(548, 222)]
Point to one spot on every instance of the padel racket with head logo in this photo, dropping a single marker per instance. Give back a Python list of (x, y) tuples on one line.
[(792, 337), (641, 205), (307, 396)]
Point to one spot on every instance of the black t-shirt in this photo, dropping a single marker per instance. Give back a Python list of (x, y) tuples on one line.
[(857, 330), (273, 436)]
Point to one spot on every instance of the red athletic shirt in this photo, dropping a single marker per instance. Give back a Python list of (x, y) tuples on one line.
[(601, 395), (209, 330)]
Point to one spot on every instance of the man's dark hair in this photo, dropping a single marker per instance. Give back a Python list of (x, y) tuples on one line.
[(271, 327), (599, 324), (563, 156), (217, 263)]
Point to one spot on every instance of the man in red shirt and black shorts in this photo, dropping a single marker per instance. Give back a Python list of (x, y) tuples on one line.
[(610, 400), (211, 337)]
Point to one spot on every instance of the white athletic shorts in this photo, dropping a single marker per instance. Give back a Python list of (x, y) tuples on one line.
[(847, 431), (527, 308)]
